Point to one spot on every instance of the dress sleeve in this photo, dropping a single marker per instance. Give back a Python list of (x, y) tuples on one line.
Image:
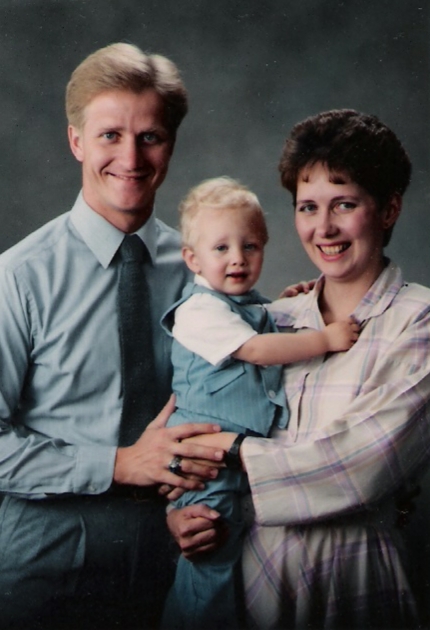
[(207, 326), (31, 465), (379, 442)]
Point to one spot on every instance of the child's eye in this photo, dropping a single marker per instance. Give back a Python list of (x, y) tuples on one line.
[(250, 247), (221, 248)]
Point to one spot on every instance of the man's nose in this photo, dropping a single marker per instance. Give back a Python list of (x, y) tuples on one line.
[(130, 154)]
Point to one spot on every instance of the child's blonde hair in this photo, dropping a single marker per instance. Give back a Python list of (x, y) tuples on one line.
[(220, 193)]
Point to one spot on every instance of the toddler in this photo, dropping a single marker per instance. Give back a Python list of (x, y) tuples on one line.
[(227, 357)]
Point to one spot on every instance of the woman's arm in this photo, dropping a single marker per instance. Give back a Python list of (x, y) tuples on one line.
[(379, 441)]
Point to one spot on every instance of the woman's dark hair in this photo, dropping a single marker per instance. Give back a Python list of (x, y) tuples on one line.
[(347, 141)]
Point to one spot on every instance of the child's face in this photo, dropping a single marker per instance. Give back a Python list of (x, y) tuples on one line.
[(228, 250)]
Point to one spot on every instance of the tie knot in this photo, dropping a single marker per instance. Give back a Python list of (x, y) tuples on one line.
[(133, 249)]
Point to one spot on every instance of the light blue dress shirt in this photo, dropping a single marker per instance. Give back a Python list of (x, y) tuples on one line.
[(60, 377)]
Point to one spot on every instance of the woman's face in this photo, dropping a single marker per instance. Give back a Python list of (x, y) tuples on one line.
[(340, 226)]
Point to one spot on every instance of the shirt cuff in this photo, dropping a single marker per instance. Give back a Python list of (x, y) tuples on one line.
[(94, 469)]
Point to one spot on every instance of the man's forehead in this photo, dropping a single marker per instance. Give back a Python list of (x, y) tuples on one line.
[(118, 104)]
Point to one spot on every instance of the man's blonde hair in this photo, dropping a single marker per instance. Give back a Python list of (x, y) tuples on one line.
[(220, 193), (125, 67)]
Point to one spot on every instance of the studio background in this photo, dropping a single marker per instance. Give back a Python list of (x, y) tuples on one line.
[(253, 69)]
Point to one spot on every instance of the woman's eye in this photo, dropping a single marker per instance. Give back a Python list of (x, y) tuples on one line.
[(346, 206), (306, 208)]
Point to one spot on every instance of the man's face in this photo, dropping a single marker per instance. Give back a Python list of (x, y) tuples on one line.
[(125, 148)]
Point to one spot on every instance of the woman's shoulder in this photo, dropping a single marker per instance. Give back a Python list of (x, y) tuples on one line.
[(415, 297), (286, 310)]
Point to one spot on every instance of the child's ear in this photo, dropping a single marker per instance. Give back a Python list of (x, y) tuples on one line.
[(190, 259)]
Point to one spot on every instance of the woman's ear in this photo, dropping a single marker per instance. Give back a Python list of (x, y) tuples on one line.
[(190, 259), (391, 211)]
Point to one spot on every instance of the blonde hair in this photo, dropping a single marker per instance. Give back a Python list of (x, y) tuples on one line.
[(220, 193), (125, 67)]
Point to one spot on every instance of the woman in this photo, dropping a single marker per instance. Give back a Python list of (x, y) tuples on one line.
[(325, 551)]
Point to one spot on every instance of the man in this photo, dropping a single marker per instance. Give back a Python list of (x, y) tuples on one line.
[(83, 541)]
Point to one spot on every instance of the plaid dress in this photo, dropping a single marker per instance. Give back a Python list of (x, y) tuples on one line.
[(325, 552)]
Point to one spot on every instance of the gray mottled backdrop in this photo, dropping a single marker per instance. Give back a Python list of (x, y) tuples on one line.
[(253, 69)]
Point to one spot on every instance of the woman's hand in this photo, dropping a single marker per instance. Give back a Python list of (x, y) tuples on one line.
[(301, 287), (197, 529)]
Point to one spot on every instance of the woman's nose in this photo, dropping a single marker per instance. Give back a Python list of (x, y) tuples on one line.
[(327, 225)]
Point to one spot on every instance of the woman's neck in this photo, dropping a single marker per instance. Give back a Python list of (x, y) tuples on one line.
[(339, 299)]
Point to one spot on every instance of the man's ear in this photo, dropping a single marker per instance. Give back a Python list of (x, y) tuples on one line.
[(391, 212), (75, 142), (190, 259)]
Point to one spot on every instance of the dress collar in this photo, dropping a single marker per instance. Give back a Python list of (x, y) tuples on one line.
[(305, 312)]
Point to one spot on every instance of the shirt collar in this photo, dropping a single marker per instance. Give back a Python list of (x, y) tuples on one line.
[(376, 301), (202, 282), (103, 238)]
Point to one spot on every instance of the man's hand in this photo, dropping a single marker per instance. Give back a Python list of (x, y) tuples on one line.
[(294, 289), (146, 462), (197, 529), (222, 440)]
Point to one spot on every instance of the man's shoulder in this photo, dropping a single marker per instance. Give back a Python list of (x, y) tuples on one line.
[(167, 235), (37, 244)]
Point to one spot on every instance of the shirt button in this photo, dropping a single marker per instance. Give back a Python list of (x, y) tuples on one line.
[(272, 394)]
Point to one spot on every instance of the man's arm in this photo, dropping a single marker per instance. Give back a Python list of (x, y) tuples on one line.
[(34, 465)]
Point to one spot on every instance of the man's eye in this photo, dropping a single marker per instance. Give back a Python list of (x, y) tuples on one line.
[(150, 138), (110, 135)]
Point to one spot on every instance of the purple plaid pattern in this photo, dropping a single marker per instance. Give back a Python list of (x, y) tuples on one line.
[(324, 552)]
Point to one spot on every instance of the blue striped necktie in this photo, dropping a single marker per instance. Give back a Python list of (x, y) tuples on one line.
[(135, 333)]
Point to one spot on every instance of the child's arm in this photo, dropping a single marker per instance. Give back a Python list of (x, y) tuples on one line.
[(280, 348)]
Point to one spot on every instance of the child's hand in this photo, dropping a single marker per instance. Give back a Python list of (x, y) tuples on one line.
[(341, 335), (294, 289)]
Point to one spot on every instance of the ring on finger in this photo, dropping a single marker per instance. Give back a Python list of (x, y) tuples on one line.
[(175, 465)]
